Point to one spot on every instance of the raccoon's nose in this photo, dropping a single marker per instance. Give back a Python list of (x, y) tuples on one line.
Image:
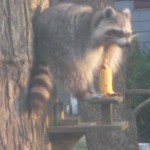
[(127, 45)]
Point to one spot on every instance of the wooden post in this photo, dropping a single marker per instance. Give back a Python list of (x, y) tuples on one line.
[(105, 87)]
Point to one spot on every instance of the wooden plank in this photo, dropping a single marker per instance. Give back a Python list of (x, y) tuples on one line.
[(64, 141), (89, 127), (105, 99), (68, 121)]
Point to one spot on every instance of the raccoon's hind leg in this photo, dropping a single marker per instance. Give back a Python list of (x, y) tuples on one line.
[(40, 89)]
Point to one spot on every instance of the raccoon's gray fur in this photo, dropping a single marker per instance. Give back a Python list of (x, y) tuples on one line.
[(70, 43)]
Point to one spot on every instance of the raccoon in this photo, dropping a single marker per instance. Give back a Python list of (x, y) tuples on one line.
[(70, 43)]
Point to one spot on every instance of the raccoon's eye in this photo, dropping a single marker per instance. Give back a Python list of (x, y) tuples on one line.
[(118, 33)]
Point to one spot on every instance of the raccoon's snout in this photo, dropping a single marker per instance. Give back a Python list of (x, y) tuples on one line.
[(121, 38), (123, 42)]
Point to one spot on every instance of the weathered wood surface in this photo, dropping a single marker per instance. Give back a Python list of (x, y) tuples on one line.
[(89, 127), (16, 131)]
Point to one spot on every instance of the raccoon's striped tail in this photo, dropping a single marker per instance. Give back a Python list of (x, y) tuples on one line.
[(39, 90)]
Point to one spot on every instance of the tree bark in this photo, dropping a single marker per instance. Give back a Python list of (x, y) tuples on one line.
[(16, 131)]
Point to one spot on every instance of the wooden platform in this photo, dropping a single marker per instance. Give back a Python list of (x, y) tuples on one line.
[(89, 127), (68, 121), (116, 99)]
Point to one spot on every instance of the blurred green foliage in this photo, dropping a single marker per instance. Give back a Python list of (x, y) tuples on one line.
[(138, 77)]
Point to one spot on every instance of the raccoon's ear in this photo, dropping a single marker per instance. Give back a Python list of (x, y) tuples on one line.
[(109, 12), (127, 12)]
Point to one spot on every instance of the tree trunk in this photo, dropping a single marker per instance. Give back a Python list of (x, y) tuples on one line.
[(16, 131)]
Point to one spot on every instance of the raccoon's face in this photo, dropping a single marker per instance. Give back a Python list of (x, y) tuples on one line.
[(114, 27), (120, 31)]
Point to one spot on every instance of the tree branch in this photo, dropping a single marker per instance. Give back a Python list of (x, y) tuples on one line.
[(138, 92), (141, 106)]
